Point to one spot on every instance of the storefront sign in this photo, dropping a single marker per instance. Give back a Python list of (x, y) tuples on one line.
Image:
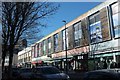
[(79, 51), (72, 52), (80, 57), (108, 46), (42, 58)]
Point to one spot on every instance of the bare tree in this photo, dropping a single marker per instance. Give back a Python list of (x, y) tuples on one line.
[(17, 17)]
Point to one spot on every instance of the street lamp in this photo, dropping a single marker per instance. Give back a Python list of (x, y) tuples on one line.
[(65, 46)]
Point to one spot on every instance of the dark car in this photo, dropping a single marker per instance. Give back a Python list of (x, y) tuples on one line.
[(29, 74), (15, 73), (26, 73), (14, 76), (51, 73), (104, 74)]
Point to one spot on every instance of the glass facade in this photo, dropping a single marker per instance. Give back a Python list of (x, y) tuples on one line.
[(77, 34), (49, 45), (116, 21), (38, 50), (55, 42), (33, 51), (95, 28), (44, 47), (63, 39)]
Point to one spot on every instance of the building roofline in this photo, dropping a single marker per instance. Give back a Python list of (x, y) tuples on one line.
[(24, 50), (84, 15)]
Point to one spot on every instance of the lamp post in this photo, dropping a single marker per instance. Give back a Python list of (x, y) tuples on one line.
[(66, 46)]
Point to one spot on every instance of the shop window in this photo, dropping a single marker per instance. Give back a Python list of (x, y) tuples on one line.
[(116, 22)]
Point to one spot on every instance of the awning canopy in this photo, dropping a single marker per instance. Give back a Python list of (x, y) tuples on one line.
[(49, 61), (42, 59), (34, 62)]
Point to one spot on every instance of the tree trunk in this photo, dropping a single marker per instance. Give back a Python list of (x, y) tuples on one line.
[(3, 60), (4, 51), (10, 63)]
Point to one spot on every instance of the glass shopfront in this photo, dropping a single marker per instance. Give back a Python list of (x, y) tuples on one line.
[(80, 62), (104, 53)]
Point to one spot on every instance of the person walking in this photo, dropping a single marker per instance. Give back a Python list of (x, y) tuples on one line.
[(105, 65), (113, 65)]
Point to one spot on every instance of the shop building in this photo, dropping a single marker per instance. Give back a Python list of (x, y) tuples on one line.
[(18, 47), (91, 38), (24, 58), (104, 46)]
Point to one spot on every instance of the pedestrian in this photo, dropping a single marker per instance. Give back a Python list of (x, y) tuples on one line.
[(113, 65), (105, 65), (109, 63), (98, 66), (119, 65)]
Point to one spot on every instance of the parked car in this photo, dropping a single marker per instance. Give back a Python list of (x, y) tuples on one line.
[(51, 73), (15, 73), (29, 74), (104, 74), (14, 76)]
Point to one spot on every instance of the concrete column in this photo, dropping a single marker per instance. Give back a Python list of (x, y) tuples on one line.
[(114, 57)]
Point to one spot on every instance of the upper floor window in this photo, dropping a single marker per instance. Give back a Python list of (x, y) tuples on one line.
[(77, 34), (55, 42), (33, 51), (64, 44), (116, 22), (49, 45), (38, 50), (44, 47), (95, 28)]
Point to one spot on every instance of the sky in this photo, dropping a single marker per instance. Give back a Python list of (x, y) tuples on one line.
[(67, 11)]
